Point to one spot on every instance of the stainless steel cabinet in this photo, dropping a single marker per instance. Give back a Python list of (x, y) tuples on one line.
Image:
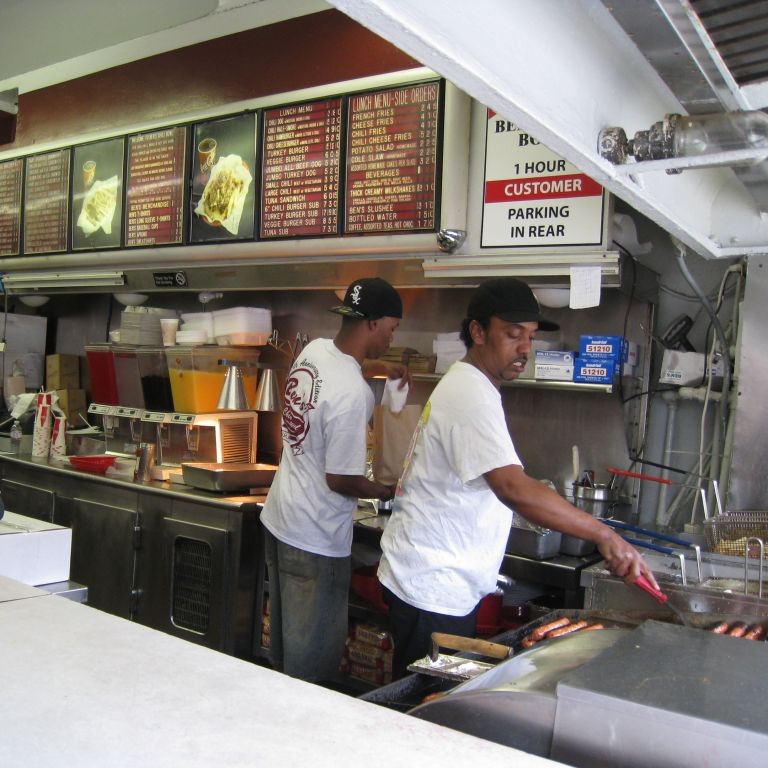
[(105, 539), (172, 560), (27, 500)]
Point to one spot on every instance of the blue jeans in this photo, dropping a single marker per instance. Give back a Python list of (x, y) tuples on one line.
[(308, 596)]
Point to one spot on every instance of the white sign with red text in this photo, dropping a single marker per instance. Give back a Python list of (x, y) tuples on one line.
[(534, 198)]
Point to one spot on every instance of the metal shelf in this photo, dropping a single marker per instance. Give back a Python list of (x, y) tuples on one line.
[(534, 384)]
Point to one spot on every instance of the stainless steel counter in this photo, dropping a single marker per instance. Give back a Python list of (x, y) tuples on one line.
[(177, 490), (81, 687)]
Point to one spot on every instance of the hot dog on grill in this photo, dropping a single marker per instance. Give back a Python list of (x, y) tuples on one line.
[(756, 632), (592, 626), (739, 629), (566, 630), (541, 631), (528, 642), (721, 628)]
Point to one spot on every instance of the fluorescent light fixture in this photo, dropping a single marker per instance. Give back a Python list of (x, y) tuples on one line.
[(29, 281), (539, 266)]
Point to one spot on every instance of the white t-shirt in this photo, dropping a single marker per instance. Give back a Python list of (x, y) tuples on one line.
[(325, 414), (445, 540)]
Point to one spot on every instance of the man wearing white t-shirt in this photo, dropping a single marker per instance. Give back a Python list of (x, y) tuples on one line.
[(309, 509), (445, 541)]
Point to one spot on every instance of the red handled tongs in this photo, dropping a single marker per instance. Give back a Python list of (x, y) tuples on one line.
[(646, 586)]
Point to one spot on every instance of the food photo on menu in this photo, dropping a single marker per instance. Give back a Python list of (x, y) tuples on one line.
[(222, 190), (97, 184)]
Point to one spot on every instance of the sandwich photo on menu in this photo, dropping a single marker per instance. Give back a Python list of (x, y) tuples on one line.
[(221, 203), (99, 206)]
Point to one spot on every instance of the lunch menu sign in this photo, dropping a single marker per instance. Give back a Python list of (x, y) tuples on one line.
[(349, 165)]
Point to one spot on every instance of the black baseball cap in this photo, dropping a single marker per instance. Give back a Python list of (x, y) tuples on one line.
[(509, 299), (370, 298)]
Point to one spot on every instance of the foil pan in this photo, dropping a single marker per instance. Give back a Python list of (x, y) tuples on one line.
[(228, 477)]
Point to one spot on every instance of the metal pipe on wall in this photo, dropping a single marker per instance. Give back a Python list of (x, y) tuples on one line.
[(670, 398)]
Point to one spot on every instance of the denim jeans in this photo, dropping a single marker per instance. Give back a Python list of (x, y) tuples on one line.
[(308, 595)]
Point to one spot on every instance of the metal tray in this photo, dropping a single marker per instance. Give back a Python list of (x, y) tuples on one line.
[(529, 543), (228, 477)]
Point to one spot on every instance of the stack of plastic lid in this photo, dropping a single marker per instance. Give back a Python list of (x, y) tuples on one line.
[(197, 321), (242, 326), (191, 337), (141, 325)]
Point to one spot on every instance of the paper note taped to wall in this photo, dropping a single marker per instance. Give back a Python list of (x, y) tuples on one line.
[(585, 287)]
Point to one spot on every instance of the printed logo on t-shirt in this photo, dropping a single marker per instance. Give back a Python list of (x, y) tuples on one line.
[(301, 393)]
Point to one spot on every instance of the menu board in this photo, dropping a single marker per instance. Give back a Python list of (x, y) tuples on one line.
[(46, 202), (222, 191), (10, 206), (300, 170), (392, 160), (97, 194), (154, 206)]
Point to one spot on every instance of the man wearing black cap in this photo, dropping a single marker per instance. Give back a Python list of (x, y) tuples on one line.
[(445, 541), (309, 508)]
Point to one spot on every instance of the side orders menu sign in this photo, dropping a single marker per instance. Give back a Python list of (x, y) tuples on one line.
[(534, 198)]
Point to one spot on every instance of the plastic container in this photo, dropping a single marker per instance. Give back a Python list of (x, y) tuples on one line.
[(199, 321), (129, 391), (101, 368), (247, 326), (197, 375), (155, 381)]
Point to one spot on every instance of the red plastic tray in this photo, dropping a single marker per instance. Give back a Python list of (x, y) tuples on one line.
[(97, 464)]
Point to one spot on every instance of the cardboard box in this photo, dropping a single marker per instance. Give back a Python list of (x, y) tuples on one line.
[(62, 372), (591, 370), (33, 551), (72, 402), (603, 347), (554, 365)]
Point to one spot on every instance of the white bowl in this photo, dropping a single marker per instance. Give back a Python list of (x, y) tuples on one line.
[(131, 299)]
